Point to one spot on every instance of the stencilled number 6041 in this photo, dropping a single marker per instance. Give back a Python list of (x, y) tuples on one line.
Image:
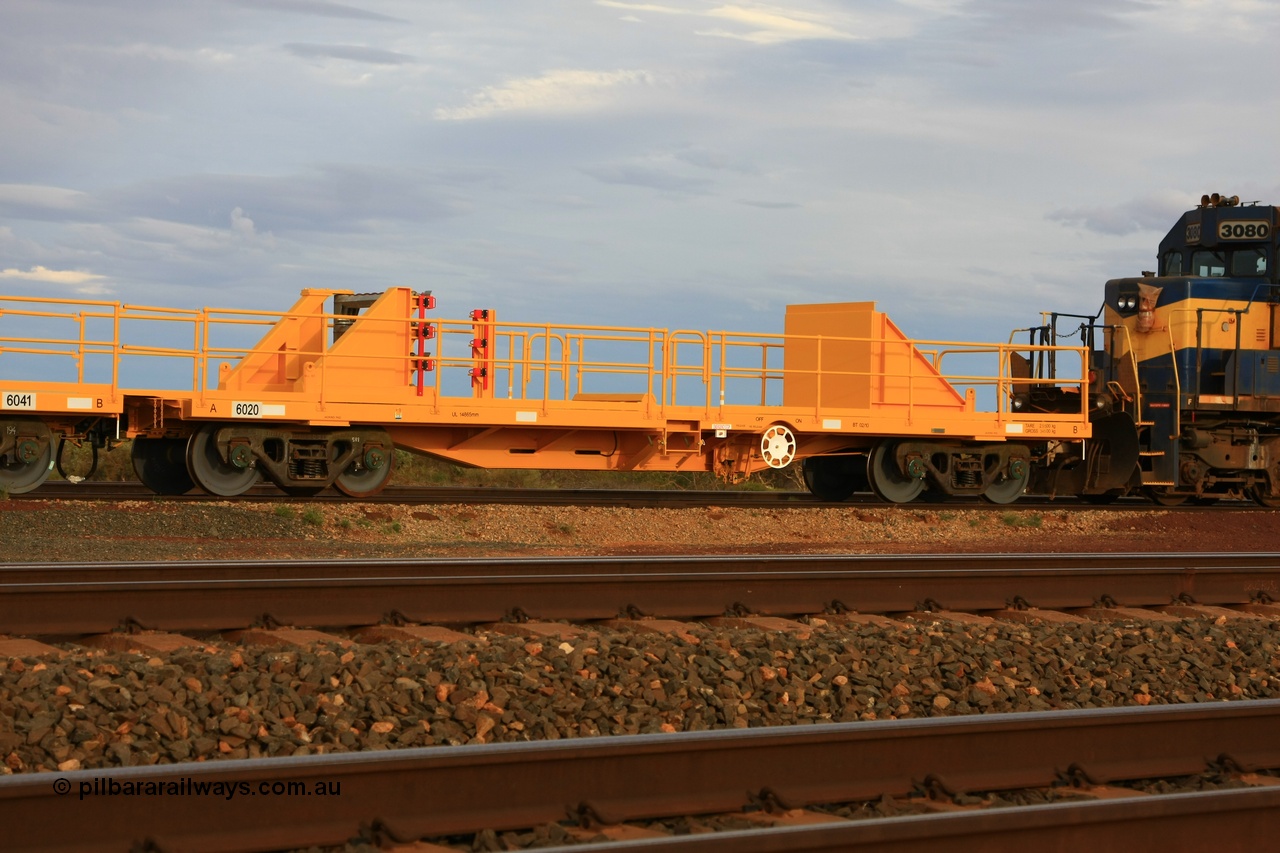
[(1243, 230)]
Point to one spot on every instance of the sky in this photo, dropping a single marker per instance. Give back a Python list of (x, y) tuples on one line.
[(693, 165)]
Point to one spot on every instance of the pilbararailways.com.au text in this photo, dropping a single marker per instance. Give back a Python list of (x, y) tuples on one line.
[(189, 787)]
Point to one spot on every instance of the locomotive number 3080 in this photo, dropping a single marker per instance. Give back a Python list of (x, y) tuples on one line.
[(1243, 230)]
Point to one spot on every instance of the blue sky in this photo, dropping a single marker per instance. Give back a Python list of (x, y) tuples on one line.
[(681, 164)]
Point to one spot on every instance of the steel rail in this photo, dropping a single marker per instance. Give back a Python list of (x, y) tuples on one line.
[(440, 791), (52, 599), (631, 498), (1225, 821), (114, 491)]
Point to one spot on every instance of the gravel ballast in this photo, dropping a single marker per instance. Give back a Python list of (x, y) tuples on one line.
[(92, 709), (35, 530)]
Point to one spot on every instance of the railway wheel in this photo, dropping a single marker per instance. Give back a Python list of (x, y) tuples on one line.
[(887, 481), (835, 478), (1009, 489), (1262, 497), (367, 475), (28, 462), (210, 471), (161, 465), (778, 446)]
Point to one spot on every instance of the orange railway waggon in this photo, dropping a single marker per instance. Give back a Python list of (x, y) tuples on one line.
[(322, 394)]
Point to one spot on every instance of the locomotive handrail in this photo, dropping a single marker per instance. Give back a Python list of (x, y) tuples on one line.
[(1253, 297), (1177, 381)]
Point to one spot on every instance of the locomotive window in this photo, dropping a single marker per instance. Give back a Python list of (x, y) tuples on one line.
[(1208, 264), (1172, 263), (1249, 262)]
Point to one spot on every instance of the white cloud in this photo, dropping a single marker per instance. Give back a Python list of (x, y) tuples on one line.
[(241, 224), (767, 25), (1244, 20), (86, 283), (645, 7), (34, 197), (348, 53), (1155, 212), (243, 227), (771, 27), (164, 53), (562, 90)]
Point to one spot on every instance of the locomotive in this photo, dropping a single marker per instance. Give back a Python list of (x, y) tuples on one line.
[(1184, 369)]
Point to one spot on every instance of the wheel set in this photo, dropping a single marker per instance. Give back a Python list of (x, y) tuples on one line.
[(26, 455)]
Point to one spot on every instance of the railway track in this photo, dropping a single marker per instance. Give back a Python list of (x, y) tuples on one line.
[(635, 498), (786, 784), (56, 599), (108, 491), (781, 780)]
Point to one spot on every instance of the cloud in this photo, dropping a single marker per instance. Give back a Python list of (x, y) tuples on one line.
[(328, 198), (1002, 18), (243, 227), (649, 177), (715, 160), (562, 90), (1148, 213), (317, 8), (769, 25), (33, 201), (645, 7), (770, 205), (82, 282), (349, 53)]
